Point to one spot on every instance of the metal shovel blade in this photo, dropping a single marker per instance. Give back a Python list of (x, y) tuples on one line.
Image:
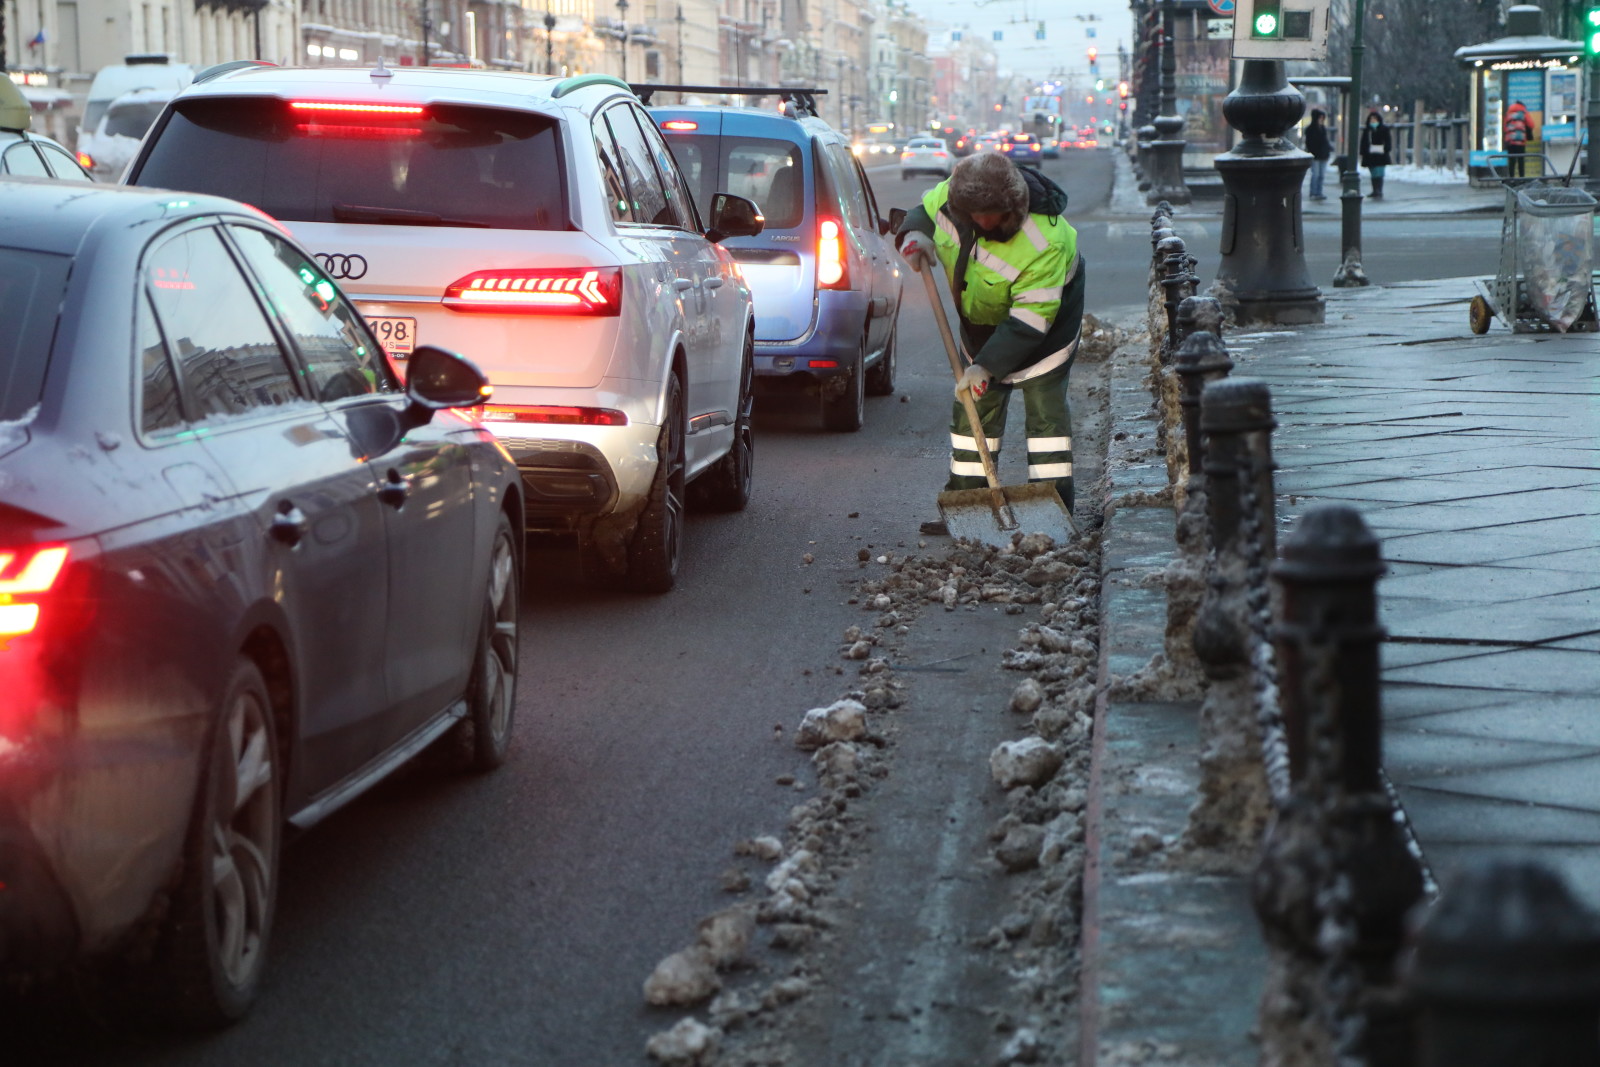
[(1032, 508)]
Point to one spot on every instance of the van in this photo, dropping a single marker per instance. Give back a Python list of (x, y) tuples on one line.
[(107, 149), (138, 71)]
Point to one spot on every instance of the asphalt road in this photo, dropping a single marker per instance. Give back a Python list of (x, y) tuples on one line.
[(512, 918)]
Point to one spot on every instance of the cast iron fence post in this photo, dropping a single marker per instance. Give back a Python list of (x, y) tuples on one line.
[(1507, 971)]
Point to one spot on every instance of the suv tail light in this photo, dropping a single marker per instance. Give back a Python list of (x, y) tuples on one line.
[(552, 413), (832, 270), (548, 291), (86, 161), (26, 577)]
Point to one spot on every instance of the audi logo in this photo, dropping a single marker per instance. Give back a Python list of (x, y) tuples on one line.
[(339, 265)]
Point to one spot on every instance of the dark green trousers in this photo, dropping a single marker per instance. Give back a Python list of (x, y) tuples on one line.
[(1047, 423)]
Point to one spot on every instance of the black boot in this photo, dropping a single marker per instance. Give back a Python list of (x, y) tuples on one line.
[(1377, 188)]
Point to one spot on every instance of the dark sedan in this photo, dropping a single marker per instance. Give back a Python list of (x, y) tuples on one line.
[(244, 574)]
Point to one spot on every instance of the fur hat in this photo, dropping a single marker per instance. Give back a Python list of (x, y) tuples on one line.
[(988, 182)]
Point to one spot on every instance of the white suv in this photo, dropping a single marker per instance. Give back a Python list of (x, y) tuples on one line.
[(539, 227)]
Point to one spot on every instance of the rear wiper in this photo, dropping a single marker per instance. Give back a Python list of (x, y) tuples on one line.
[(398, 215)]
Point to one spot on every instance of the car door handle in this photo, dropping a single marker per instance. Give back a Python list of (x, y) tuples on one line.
[(393, 492), (682, 285), (289, 525), (711, 283)]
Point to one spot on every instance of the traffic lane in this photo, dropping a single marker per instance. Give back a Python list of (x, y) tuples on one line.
[(1394, 251), (512, 918)]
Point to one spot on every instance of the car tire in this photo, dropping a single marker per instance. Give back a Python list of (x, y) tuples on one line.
[(212, 948), (847, 412), (726, 486), (880, 376), (492, 695), (657, 543)]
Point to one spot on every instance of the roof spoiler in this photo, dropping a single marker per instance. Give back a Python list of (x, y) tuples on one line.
[(229, 67), (803, 101)]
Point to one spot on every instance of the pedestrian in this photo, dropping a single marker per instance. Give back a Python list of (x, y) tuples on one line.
[(1375, 151), (1321, 148), (1012, 260), (1515, 133)]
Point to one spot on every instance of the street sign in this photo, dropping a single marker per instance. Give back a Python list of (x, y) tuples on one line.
[(1281, 29), (1221, 7), (1219, 29)]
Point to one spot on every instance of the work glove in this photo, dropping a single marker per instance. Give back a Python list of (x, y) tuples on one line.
[(974, 378), (916, 247)]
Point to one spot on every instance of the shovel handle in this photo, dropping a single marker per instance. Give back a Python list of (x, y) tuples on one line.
[(973, 421)]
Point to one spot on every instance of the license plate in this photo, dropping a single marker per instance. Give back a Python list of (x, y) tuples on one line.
[(397, 336)]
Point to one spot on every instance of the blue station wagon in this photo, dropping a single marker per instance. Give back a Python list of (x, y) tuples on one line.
[(824, 274)]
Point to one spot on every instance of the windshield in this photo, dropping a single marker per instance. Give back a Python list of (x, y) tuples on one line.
[(31, 285), (133, 119), (768, 171), (452, 165)]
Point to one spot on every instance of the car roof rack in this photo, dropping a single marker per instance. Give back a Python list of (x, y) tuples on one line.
[(803, 101)]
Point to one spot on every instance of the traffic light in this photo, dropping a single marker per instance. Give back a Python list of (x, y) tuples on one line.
[(1266, 20), (1123, 90), (1591, 32), (1094, 54)]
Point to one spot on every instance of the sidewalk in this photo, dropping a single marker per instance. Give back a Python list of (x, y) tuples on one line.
[(1476, 460), (1401, 198)]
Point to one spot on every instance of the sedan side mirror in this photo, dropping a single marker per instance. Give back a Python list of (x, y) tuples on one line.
[(734, 216), (897, 218), (437, 378)]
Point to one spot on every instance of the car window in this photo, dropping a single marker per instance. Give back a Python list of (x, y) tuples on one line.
[(20, 158), (866, 187), (767, 170), (133, 119), (852, 198), (647, 198), (452, 165), (160, 410), (31, 287), (611, 171), (229, 359), (678, 198), (341, 359), (61, 161)]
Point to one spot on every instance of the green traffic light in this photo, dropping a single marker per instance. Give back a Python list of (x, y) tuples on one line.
[(1594, 44), (1266, 24), (1592, 16)]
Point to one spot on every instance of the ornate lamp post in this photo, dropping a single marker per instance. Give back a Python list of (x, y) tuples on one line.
[(1263, 265), (622, 9), (1350, 274), (549, 44), (1166, 150)]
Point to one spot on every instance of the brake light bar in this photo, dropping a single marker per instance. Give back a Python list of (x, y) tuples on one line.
[(553, 413), (680, 124), (832, 272), (555, 291), (338, 107), (31, 573)]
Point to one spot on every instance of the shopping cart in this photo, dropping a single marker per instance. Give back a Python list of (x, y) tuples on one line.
[(1546, 253)]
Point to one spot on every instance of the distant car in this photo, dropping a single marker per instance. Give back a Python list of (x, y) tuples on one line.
[(989, 142), (925, 155), (825, 275), (538, 223), (153, 70), (1023, 149), (29, 154), (107, 150), (245, 574), (1050, 148), (965, 145)]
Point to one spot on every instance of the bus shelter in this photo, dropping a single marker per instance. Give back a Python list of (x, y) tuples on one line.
[(1544, 74)]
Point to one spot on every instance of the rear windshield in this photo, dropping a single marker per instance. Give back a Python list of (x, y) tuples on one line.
[(454, 165), (767, 171), (31, 284), (132, 120)]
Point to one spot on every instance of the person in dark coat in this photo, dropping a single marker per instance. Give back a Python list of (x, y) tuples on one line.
[(1375, 145), (1321, 148)]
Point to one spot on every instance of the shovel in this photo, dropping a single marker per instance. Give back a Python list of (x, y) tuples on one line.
[(992, 515)]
